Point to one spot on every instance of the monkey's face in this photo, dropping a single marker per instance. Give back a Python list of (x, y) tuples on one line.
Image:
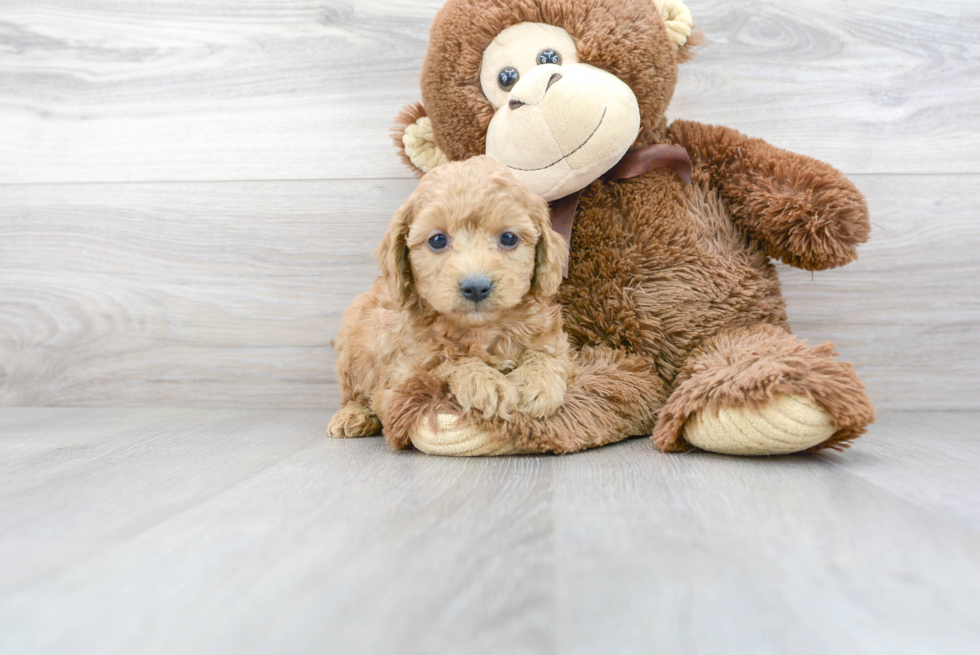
[(556, 90), (558, 123)]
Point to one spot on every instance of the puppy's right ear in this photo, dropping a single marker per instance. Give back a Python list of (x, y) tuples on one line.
[(551, 252), (415, 140), (392, 254)]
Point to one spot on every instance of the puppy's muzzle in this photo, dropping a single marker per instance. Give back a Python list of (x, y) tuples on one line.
[(476, 288)]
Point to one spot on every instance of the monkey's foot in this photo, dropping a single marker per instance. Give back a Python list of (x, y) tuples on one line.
[(456, 438), (786, 424)]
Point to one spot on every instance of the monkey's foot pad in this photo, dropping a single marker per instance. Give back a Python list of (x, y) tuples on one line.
[(453, 439), (786, 424)]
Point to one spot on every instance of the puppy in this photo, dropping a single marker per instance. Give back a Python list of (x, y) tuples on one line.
[(470, 267)]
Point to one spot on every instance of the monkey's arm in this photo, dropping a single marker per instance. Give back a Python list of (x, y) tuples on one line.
[(805, 211)]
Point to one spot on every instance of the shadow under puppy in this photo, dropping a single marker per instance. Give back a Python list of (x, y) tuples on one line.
[(470, 267)]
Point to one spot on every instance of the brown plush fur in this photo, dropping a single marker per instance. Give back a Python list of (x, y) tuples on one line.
[(671, 298), (612, 394), (804, 211), (504, 355), (749, 366)]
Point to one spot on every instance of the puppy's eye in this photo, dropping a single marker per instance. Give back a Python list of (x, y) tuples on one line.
[(438, 242), (549, 56), (509, 240), (507, 78)]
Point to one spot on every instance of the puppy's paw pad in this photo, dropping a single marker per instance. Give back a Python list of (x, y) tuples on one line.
[(352, 421)]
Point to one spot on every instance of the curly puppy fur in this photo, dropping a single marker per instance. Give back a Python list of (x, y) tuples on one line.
[(500, 356), (676, 275)]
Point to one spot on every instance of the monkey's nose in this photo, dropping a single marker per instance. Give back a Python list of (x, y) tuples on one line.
[(476, 288), (517, 103)]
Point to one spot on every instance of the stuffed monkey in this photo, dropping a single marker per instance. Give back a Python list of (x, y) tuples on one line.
[(671, 298)]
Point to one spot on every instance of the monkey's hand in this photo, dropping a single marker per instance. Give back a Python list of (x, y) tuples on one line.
[(804, 211)]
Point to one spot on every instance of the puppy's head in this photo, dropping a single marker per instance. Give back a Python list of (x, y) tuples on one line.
[(471, 242)]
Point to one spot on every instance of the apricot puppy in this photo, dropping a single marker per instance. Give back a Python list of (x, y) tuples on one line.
[(470, 267)]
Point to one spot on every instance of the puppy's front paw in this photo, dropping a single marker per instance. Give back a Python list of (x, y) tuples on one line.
[(353, 420), (485, 389), (541, 392)]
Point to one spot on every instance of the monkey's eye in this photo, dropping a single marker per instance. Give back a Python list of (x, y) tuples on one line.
[(509, 240), (438, 242), (549, 56), (508, 78)]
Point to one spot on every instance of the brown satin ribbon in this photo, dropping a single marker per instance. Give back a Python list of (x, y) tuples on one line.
[(634, 163)]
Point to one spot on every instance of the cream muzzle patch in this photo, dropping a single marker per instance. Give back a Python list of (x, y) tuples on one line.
[(558, 124)]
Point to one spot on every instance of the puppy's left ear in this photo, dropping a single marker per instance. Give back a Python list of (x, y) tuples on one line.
[(550, 255), (392, 254)]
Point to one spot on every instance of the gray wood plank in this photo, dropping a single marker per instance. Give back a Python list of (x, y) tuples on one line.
[(228, 294), (910, 459), (290, 90), (867, 86), (191, 294), (907, 313), (247, 531), (706, 554)]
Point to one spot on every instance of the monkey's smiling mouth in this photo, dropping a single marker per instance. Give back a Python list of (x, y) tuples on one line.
[(563, 158)]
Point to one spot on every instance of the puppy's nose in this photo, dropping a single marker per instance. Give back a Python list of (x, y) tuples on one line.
[(476, 287)]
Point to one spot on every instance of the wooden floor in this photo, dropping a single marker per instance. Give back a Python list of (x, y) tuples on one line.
[(190, 193), (235, 531)]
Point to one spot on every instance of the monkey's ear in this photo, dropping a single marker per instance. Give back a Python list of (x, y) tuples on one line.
[(412, 134), (680, 27), (550, 254), (392, 255)]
